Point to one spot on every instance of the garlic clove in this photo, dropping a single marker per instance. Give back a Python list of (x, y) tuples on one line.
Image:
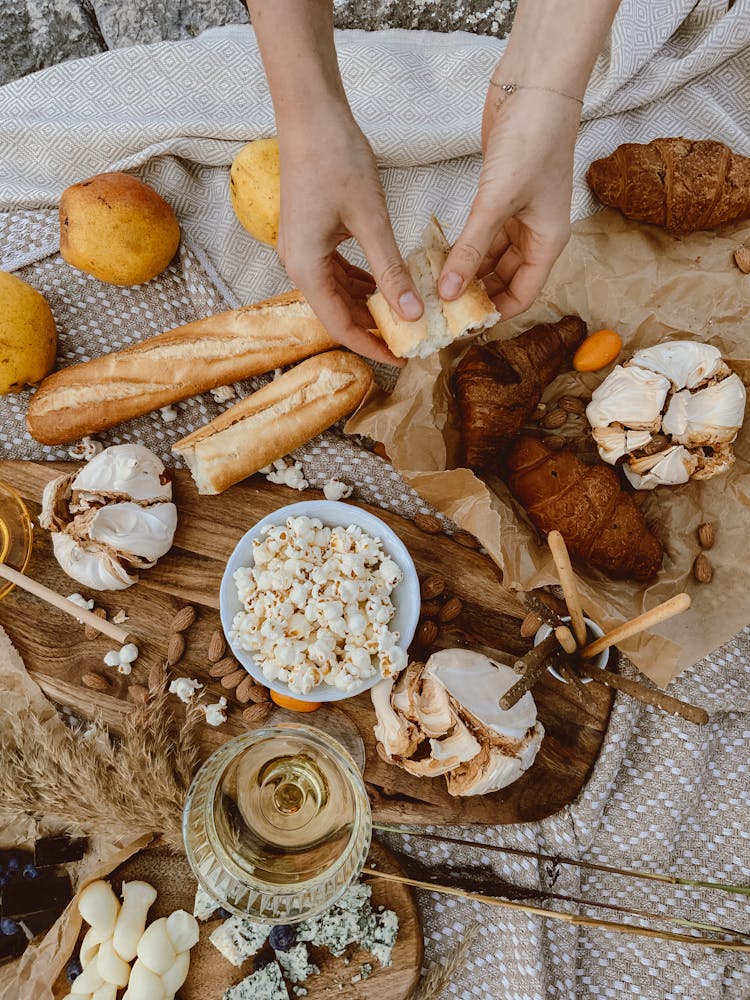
[(145, 532), (633, 397), (709, 416), (89, 565), (666, 468), (686, 363), (126, 469)]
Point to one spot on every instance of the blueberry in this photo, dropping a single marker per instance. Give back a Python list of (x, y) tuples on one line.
[(13, 866), (222, 914), (30, 872), (282, 937), (73, 970), (8, 927)]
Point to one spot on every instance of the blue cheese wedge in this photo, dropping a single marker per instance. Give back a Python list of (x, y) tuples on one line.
[(204, 906), (239, 939), (379, 933), (355, 898), (265, 984), (334, 930), (296, 964)]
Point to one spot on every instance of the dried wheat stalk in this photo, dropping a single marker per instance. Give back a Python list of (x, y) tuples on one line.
[(93, 783), (441, 974)]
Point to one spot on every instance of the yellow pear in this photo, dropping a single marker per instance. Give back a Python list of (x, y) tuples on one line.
[(28, 337), (117, 229), (255, 189)]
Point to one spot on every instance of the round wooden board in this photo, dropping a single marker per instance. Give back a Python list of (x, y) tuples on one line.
[(210, 973)]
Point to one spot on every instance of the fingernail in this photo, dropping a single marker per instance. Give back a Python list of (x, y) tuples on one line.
[(450, 285), (409, 305)]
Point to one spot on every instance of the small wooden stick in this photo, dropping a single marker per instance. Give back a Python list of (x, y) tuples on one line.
[(63, 604), (647, 695), (531, 667), (565, 637), (578, 687), (661, 613), (560, 554)]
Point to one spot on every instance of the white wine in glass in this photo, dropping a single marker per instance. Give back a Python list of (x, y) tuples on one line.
[(277, 823)]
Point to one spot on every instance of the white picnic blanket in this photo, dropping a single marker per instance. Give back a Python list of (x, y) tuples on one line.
[(664, 795)]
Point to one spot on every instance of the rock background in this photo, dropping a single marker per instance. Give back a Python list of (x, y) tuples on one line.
[(39, 33)]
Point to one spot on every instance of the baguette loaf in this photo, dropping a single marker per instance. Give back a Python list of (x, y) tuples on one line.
[(275, 420), (180, 363), (441, 322)]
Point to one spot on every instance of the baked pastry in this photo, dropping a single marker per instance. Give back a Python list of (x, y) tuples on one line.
[(680, 184), (91, 397), (441, 322), (601, 524), (275, 420), (498, 385)]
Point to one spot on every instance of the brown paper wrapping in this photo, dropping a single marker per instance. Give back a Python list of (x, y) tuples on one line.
[(649, 287), (32, 977)]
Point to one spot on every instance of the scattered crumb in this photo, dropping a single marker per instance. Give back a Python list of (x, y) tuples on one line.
[(120, 617), (168, 414), (223, 393)]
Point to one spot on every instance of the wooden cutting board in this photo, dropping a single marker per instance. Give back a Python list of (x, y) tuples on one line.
[(210, 973), (57, 654)]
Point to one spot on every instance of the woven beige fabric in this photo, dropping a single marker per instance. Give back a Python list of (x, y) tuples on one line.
[(664, 795)]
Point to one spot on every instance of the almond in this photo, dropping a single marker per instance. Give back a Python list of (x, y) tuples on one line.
[(554, 442), (703, 571), (230, 681), (138, 693), (706, 535), (88, 630), (571, 404), (657, 443), (223, 667), (242, 692), (175, 649), (433, 586), (427, 633), (217, 646), (742, 259), (530, 625), (554, 419), (429, 524), (450, 610), (183, 619), (259, 694), (430, 609), (97, 682), (254, 715), (468, 541), (538, 413)]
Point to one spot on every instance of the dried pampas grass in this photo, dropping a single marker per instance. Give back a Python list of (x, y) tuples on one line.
[(93, 783)]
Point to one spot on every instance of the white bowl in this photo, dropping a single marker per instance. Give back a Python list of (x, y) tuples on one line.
[(600, 661), (405, 597)]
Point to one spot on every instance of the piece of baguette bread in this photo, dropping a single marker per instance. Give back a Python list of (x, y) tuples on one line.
[(275, 420), (441, 322), (180, 363)]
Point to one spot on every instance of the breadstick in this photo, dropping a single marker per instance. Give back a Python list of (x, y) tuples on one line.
[(649, 696), (661, 613), (565, 637), (559, 551), (531, 667)]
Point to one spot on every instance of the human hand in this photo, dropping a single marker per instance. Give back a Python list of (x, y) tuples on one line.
[(331, 191), (520, 218)]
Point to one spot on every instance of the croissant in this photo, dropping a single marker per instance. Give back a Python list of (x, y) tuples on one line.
[(680, 184), (601, 524), (498, 385)]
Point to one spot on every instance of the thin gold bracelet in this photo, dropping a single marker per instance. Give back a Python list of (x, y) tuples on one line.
[(510, 88)]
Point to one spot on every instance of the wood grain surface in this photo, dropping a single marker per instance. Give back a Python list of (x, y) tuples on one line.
[(57, 653), (210, 973)]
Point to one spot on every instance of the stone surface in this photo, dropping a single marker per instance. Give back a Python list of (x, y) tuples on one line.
[(39, 33)]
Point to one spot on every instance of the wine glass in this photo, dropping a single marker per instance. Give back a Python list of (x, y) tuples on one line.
[(15, 534), (277, 823)]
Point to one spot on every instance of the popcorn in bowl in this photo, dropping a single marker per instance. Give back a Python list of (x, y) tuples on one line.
[(316, 606)]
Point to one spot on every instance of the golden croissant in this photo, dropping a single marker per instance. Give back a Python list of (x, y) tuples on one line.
[(680, 184), (498, 385)]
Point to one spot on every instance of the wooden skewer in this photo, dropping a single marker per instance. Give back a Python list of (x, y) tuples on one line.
[(648, 695), (23, 582), (661, 613), (560, 554), (565, 637)]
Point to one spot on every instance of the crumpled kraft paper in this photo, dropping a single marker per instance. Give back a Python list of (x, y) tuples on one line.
[(649, 287), (33, 975)]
